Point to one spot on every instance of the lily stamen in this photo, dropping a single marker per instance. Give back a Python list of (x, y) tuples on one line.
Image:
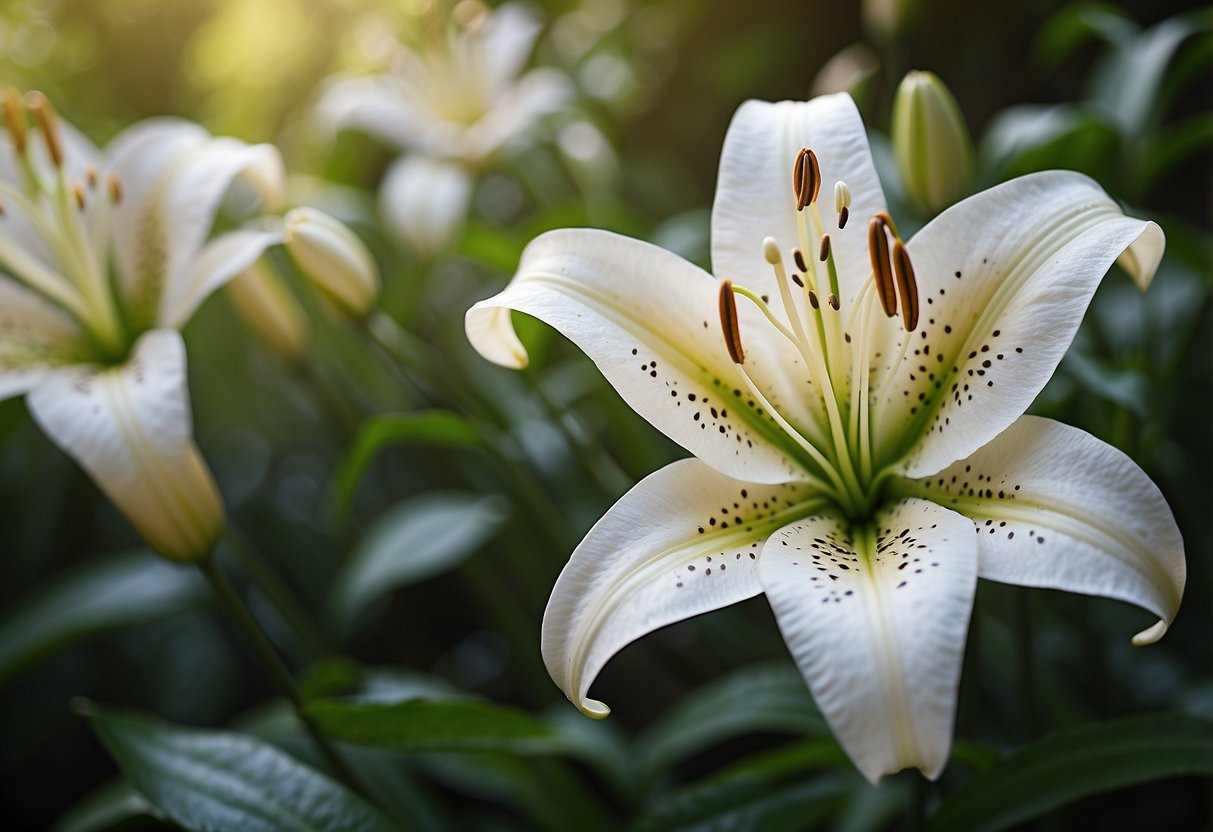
[(806, 178), (842, 203), (825, 248), (14, 120), (729, 323), (40, 106), (78, 195), (113, 184), (907, 286), (882, 267)]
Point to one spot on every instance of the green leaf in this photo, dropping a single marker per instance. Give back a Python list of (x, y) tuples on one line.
[(771, 698), (1068, 765), (416, 539), (434, 725), (209, 780), (428, 427), (104, 807), (777, 791), (97, 596)]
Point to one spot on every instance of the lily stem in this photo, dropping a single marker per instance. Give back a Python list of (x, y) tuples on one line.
[(258, 568), (276, 670)]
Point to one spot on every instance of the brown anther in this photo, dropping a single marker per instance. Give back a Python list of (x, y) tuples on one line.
[(824, 254), (44, 114), (888, 223), (834, 302), (90, 176), (882, 269), (797, 280), (907, 286), (798, 256), (842, 217), (14, 119), (729, 323), (78, 195), (813, 302), (114, 185), (806, 178)]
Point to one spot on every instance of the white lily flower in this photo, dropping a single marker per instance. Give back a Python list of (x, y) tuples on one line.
[(863, 470), (96, 349), (453, 105)]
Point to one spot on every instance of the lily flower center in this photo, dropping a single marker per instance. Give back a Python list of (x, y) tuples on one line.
[(835, 345), (59, 224)]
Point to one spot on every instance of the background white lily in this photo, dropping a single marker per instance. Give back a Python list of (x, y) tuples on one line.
[(452, 103), (860, 469), (96, 349)]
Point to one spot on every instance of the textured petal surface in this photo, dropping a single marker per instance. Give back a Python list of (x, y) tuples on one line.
[(754, 197), (651, 322), (683, 541), (425, 201), (129, 427), (1004, 279), (1057, 508), (876, 619), (35, 336)]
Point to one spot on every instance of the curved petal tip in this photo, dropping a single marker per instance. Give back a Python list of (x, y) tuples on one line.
[(594, 709), (1142, 257), (1150, 635)]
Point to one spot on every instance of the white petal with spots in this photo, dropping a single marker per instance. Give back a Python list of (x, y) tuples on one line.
[(876, 618), (129, 427), (683, 541), (1004, 278), (754, 197), (651, 322), (1055, 507)]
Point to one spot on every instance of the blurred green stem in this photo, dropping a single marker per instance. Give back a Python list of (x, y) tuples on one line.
[(276, 670), (918, 802), (341, 419), (262, 573), (595, 462)]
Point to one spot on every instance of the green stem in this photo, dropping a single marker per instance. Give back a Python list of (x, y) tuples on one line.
[(255, 565), (276, 670), (340, 417), (918, 802), (596, 465)]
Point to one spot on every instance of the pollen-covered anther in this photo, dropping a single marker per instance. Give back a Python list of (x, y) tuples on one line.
[(907, 286), (90, 176), (729, 323), (113, 184), (882, 268), (14, 119), (79, 195), (798, 257), (40, 106), (813, 302), (806, 178), (824, 254)]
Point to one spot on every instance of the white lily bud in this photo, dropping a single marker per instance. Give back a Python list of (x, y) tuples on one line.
[(267, 307), (333, 260), (425, 202), (931, 142)]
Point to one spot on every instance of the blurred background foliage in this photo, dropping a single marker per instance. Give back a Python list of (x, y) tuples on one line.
[(415, 504)]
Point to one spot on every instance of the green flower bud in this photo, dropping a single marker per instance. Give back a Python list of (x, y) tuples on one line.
[(931, 143), (267, 307), (333, 260)]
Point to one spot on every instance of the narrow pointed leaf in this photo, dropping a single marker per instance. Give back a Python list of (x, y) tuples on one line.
[(763, 698), (426, 427), (206, 780), (414, 540), (103, 594), (1069, 765)]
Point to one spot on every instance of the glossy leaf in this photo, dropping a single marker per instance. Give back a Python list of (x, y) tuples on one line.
[(434, 725), (94, 597), (1068, 765), (204, 780), (414, 540)]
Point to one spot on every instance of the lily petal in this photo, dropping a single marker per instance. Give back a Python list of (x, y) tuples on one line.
[(1055, 507), (502, 47), (1003, 280), (754, 197), (876, 617), (651, 322), (380, 105), (683, 541), (129, 427), (515, 110), (215, 264), (35, 337), (425, 201)]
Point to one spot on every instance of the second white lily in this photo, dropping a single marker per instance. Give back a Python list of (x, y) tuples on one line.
[(855, 402)]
